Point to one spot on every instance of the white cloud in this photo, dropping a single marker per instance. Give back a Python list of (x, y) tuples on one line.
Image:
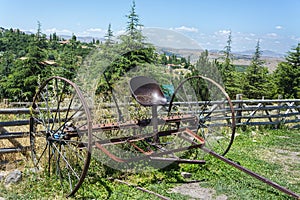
[(278, 27), (31, 30), (186, 29), (272, 35), (297, 39), (223, 32), (58, 32), (94, 30), (121, 32)]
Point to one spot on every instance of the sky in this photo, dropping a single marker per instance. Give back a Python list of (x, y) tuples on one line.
[(275, 23)]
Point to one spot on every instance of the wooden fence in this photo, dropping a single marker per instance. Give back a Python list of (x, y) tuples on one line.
[(248, 113), (267, 112), (14, 132)]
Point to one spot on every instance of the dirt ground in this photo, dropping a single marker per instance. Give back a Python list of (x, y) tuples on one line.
[(196, 192)]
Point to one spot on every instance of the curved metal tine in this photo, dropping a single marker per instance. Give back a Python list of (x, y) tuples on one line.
[(45, 98), (224, 114), (208, 142), (47, 105), (71, 117), (57, 167), (213, 108), (59, 98), (68, 166), (70, 181), (67, 163), (210, 87), (69, 107), (48, 109), (202, 110), (69, 178), (51, 155), (38, 161), (73, 142), (41, 117), (58, 171), (186, 95), (49, 158)]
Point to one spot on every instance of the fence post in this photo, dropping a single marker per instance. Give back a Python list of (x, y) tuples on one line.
[(239, 97), (6, 102), (278, 120)]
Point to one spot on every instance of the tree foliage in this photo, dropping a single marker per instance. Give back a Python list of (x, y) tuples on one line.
[(257, 83), (230, 76), (27, 60), (130, 52), (109, 37), (287, 74)]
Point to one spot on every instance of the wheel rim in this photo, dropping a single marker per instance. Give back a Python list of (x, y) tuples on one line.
[(208, 102), (60, 122)]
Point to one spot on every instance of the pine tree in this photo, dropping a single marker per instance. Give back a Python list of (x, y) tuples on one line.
[(133, 39), (132, 48), (257, 80), (133, 25), (109, 36), (40, 38), (227, 66), (288, 74), (230, 77), (205, 67)]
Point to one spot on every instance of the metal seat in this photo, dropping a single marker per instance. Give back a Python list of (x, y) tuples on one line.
[(146, 91)]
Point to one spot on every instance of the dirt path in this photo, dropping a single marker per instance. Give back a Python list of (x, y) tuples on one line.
[(196, 192)]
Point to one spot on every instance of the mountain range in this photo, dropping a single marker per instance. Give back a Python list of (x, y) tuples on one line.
[(169, 39)]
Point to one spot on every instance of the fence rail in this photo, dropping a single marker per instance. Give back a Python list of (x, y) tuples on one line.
[(247, 113), (267, 112)]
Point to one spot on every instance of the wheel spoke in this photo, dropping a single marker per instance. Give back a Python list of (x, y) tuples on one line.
[(66, 161), (59, 113)]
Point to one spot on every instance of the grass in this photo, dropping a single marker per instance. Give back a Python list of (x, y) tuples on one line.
[(273, 154), (259, 151)]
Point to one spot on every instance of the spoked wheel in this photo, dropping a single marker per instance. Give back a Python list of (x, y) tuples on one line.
[(60, 133), (206, 109)]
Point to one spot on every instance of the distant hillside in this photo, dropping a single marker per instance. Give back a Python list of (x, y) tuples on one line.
[(172, 42), (238, 59), (271, 61), (169, 39), (86, 39), (265, 53)]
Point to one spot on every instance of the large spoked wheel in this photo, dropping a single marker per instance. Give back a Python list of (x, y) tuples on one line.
[(206, 109), (60, 133)]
